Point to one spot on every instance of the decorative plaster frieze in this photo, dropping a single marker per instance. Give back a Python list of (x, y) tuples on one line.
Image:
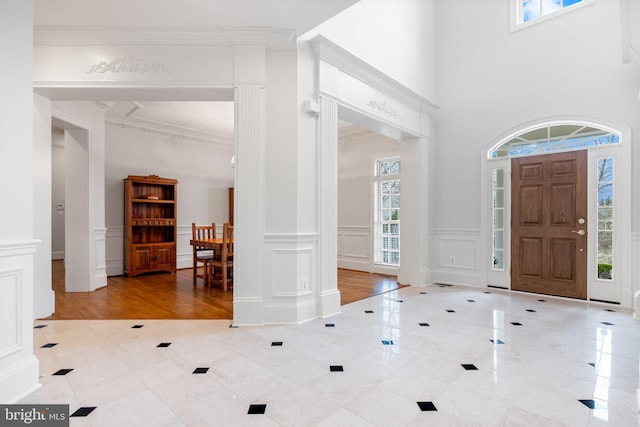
[(128, 64), (385, 108), (217, 141)]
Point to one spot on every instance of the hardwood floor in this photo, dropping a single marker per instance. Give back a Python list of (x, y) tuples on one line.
[(173, 296)]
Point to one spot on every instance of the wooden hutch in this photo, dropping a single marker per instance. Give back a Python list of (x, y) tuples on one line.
[(150, 211)]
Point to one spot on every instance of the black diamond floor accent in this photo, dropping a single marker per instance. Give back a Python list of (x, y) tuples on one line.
[(39, 326), (427, 406), (451, 311), (399, 300), (516, 323), (164, 344), (368, 311), (49, 345), (497, 341), (329, 325), (471, 300), (469, 367), (542, 300), (83, 411), (62, 371), (137, 326), (608, 323), (423, 293), (200, 370), (531, 311), (257, 409), (606, 309), (276, 344), (336, 368), (423, 324), (387, 342), (589, 403), (592, 364), (486, 292)]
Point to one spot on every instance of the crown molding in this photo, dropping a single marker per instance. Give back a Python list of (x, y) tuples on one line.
[(170, 131), (271, 38), (331, 53)]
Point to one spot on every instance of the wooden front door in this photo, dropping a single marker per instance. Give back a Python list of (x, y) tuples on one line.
[(548, 227)]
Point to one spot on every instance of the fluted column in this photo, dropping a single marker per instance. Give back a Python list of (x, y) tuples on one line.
[(328, 294), (248, 303)]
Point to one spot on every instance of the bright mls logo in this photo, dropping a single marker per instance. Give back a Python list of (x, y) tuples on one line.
[(34, 415)]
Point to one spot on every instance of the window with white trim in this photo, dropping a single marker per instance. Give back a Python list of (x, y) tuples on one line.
[(532, 11), (386, 189)]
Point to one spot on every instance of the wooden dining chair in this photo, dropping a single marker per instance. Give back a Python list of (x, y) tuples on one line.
[(224, 263), (202, 256)]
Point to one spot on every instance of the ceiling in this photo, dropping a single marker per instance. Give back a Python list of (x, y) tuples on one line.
[(213, 119)]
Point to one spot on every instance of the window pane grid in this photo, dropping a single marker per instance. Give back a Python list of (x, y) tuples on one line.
[(387, 212), (498, 219), (534, 9)]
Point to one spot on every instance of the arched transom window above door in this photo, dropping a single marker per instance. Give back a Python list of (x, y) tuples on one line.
[(553, 137)]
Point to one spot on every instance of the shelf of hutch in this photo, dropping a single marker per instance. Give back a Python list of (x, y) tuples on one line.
[(149, 224)]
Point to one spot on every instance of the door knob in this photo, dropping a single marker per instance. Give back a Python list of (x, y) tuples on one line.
[(579, 232), (581, 221)]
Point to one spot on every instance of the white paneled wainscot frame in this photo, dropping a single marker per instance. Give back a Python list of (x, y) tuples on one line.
[(354, 248), (456, 256)]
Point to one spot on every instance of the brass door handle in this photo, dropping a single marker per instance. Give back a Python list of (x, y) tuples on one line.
[(579, 232)]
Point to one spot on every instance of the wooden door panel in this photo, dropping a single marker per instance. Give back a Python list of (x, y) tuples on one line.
[(530, 257), (563, 204), (549, 194), (531, 205), (561, 250), (563, 168), (531, 171)]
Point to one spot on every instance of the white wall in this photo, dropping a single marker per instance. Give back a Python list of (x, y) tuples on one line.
[(397, 37), (355, 172), (204, 174), (491, 81), (18, 365), (44, 297), (57, 194)]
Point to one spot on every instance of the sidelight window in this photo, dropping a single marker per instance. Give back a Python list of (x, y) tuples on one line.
[(498, 219), (605, 218)]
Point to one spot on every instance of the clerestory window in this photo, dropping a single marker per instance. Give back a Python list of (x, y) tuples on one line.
[(531, 11)]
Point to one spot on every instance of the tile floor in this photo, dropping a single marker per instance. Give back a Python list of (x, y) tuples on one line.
[(440, 355)]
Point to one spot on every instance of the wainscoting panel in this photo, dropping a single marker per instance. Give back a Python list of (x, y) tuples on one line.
[(10, 304), (456, 256), (291, 277), (354, 248)]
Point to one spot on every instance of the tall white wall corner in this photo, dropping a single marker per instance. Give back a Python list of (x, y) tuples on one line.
[(636, 305)]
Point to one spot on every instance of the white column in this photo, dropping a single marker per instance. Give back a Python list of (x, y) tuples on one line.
[(413, 156), (328, 293), (18, 365), (248, 302)]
